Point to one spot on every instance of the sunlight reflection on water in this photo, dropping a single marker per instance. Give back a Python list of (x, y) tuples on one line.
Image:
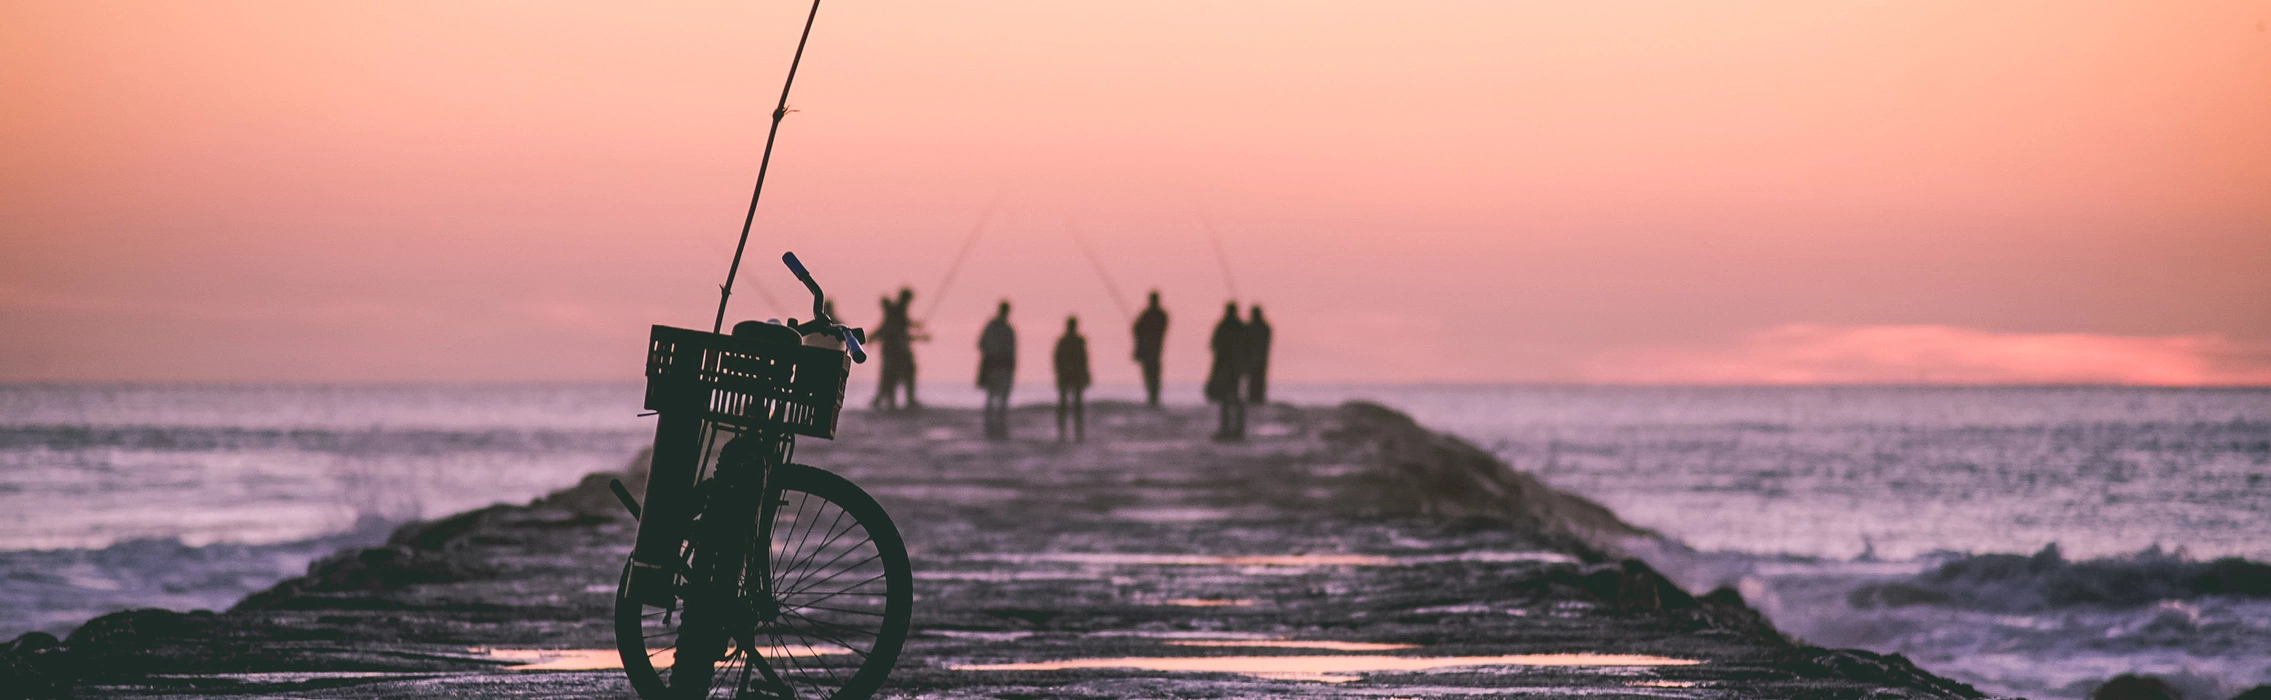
[(1327, 669), (610, 659)]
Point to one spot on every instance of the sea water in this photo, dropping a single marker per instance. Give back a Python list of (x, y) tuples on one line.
[(1812, 502), (1822, 505), (191, 497)]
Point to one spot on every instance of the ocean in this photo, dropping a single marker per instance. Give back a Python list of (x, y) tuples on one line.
[(2029, 540)]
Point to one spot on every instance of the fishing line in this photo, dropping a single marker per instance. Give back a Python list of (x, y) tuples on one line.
[(1098, 263), (725, 291), (1220, 259), (968, 242)]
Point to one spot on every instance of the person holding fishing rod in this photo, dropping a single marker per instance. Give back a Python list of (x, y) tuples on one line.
[(897, 335)]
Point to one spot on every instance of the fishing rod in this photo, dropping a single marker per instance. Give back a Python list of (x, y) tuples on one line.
[(1220, 259), (968, 242), (725, 291), (1098, 263)]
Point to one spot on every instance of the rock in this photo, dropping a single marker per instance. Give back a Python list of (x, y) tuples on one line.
[(1891, 670), (1426, 473), (439, 535), (33, 666), (359, 570), (2134, 687), (2261, 692), (591, 496), (132, 643)]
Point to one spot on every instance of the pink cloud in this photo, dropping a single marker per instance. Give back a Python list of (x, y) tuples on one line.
[(1819, 354)]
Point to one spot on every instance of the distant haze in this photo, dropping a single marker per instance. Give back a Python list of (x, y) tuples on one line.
[(1651, 192)]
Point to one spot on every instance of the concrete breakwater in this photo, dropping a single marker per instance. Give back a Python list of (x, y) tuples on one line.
[(1343, 550)]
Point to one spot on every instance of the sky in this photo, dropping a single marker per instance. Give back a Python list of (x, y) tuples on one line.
[(1771, 192)]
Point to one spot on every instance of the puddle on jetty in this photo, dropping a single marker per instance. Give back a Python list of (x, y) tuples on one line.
[(1292, 644), (1129, 559), (1298, 561), (1328, 669), (1211, 602), (610, 659)]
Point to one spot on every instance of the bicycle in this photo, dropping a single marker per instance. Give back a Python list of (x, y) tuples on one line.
[(753, 576)]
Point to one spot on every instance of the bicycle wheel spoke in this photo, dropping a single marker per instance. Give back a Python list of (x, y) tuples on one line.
[(824, 623), (794, 668), (801, 586), (840, 610), (823, 547), (847, 646), (806, 500), (846, 593), (816, 661), (833, 575), (809, 635)]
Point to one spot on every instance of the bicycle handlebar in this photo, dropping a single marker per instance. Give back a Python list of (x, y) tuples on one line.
[(820, 318), (852, 346)]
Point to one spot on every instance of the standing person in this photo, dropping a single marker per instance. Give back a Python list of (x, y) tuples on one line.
[(1230, 362), (997, 371), (1072, 379), (1150, 336), (1258, 349), (896, 336)]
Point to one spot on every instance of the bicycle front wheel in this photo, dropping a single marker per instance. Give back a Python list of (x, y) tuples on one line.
[(823, 616)]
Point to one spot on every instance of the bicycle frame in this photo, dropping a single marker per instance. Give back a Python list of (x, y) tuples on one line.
[(722, 610), (699, 540)]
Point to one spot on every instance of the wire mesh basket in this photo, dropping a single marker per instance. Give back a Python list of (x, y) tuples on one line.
[(745, 383)]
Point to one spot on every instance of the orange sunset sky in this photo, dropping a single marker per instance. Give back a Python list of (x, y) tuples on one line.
[(1636, 192)]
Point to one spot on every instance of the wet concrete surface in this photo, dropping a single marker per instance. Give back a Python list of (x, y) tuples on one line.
[(1341, 551)]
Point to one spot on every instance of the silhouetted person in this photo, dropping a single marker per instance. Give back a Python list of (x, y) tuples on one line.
[(1072, 380), (997, 371), (1222, 381), (1150, 337), (1258, 357), (896, 337)]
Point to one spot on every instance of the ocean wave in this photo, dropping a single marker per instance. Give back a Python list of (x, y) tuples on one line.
[(2046, 580), (53, 590)]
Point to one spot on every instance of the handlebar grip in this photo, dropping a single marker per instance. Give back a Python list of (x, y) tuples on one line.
[(796, 267), (852, 347)]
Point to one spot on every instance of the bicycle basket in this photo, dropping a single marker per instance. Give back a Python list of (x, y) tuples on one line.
[(745, 383)]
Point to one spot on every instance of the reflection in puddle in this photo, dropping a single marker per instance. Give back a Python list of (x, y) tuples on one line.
[(980, 635), (1128, 559), (565, 659), (1265, 560), (610, 659), (1171, 515), (1171, 634), (1003, 576), (1493, 557), (1211, 602), (294, 676), (1293, 644), (1328, 669)]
